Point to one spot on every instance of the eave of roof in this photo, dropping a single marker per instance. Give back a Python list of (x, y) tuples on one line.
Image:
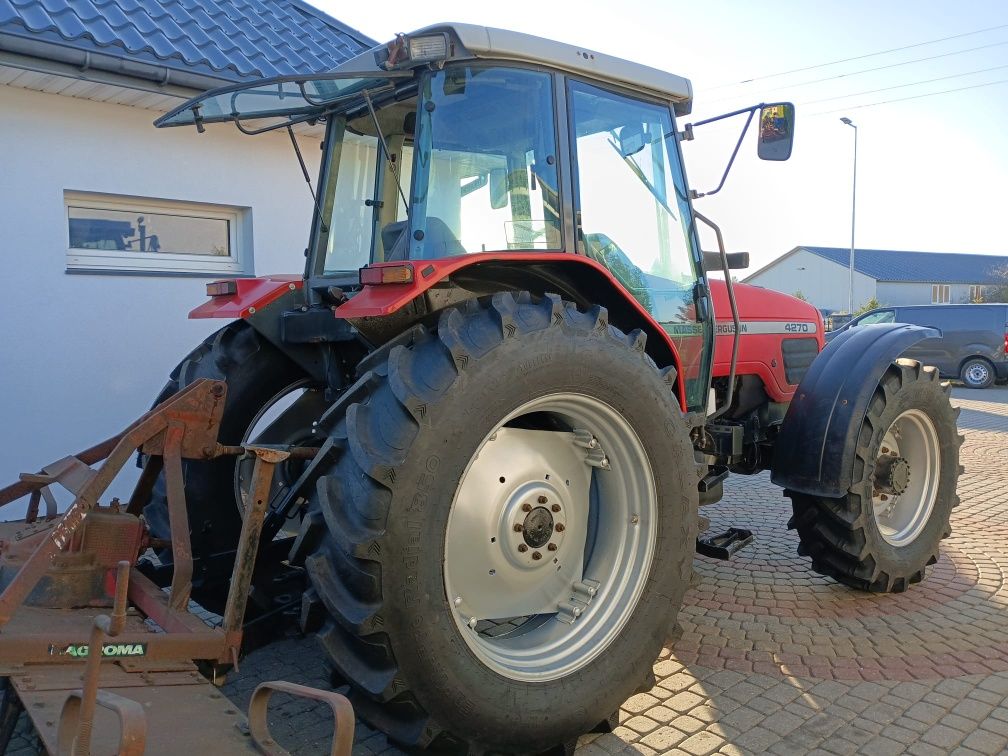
[(194, 43)]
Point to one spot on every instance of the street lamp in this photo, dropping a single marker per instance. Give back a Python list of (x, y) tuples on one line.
[(850, 290)]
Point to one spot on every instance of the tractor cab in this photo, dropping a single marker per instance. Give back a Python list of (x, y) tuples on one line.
[(466, 141)]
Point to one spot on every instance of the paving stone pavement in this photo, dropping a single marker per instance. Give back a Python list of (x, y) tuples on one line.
[(777, 659)]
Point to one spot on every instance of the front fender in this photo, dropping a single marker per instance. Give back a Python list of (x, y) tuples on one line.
[(814, 453)]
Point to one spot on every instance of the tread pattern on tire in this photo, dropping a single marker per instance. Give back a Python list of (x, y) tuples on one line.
[(237, 348), (833, 531), (355, 500)]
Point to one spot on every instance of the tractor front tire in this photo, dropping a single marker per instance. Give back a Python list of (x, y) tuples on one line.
[(882, 535), (519, 444)]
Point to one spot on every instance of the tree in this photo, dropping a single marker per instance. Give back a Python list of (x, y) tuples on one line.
[(997, 292), (799, 295), (871, 304)]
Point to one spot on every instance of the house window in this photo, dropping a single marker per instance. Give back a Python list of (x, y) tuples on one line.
[(939, 293), (130, 234), (976, 293)]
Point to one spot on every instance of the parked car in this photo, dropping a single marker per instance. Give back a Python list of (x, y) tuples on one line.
[(972, 346)]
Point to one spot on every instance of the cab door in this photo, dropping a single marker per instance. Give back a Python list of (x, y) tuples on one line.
[(633, 216)]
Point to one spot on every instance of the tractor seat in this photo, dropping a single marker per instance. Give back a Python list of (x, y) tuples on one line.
[(439, 241)]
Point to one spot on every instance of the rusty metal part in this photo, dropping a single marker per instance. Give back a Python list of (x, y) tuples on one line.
[(150, 659), (343, 716), (178, 518), (81, 704), (194, 412), (132, 724), (248, 542)]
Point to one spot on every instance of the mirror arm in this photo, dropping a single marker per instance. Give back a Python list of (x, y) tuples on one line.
[(694, 194)]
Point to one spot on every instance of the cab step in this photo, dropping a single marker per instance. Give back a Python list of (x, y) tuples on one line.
[(724, 545)]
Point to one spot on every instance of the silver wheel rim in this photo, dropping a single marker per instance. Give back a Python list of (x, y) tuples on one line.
[(586, 501), (285, 419), (906, 477), (977, 373)]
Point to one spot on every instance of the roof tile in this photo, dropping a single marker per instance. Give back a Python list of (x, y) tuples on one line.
[(233, 39)]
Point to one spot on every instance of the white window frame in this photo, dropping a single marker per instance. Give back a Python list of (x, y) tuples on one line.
[(941, 293), (976, 292), (239, 262)]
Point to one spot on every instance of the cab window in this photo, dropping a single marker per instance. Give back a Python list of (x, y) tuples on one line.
[(486, 168), (880, 316)]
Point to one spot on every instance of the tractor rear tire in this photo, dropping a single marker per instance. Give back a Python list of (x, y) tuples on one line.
[(255, 372), (882, 535), (400, 533)]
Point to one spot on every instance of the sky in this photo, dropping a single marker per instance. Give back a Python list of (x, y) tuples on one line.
[(931, 171)]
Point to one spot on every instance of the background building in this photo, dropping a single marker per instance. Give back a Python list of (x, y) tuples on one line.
[(111, 227), (893, 277)]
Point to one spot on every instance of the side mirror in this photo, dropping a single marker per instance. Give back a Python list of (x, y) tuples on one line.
[(498, 188), (736, 260), (631, 140), (776, 131)]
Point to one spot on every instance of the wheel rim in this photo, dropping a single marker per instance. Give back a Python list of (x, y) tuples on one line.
[(541, 602), (906, 477), (977, 373), (286, 419)]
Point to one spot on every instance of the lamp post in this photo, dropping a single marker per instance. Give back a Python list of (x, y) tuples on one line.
[(850, 289)]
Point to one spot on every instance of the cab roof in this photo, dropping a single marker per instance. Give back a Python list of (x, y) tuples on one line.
[(472, 41)]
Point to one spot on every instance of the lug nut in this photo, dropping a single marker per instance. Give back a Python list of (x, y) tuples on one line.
[(559, 527), (522, 548), (518, 527), (552, 547), (536, 555), (526, 507), (555, 507), (542, 499)]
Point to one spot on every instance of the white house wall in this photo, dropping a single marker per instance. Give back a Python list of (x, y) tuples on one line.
[(821, 281), (81, 355)]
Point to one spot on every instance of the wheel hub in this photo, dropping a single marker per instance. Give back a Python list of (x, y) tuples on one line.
[(892, 475), (533, 521), (538, 527)]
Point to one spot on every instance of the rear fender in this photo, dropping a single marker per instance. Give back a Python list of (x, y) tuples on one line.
[(251, 295), (814, 453), (574, 277)]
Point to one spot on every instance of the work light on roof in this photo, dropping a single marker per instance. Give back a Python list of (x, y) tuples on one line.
[(428, 47)]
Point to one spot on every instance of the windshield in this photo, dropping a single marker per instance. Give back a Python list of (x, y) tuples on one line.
[(487, 156), (280, 98)]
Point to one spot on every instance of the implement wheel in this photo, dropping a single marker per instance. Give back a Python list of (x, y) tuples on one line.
[(882, 535), (510, 528), (269, 400)]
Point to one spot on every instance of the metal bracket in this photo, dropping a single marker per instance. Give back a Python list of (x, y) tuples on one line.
[(584, 591)]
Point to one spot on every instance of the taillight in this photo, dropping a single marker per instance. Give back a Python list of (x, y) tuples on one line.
[(1006, 340), (375, 275), (222, 288)]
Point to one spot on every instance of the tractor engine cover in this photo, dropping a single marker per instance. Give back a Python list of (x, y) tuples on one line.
[(76, 576)]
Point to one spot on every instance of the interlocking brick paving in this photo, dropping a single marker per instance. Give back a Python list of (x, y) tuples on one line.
[(777, 659)]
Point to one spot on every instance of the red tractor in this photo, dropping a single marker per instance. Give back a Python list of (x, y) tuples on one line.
[(522, 383)]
